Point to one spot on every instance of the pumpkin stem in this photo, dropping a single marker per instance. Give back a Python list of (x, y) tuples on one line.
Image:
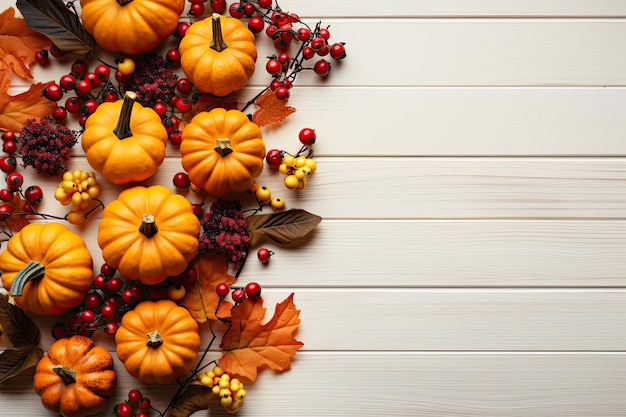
[(218, 43), (154, 339), (67, 375), (124, 2), (32, 270), (222, 146), (148, 225), (122, 130)]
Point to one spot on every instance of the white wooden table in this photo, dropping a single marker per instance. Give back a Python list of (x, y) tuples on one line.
[(472, 181)]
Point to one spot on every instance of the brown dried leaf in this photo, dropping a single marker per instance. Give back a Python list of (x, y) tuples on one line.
[(271, 109), (15, 362), (282, 227), (194, 398), (17, 222)]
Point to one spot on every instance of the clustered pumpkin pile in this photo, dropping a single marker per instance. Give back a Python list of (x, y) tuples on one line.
[(148, 233)]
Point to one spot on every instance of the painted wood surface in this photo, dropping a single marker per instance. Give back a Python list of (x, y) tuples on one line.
[(472, 182)]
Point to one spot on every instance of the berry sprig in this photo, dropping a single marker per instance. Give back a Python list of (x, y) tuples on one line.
[(230, 390), (78, 188), (135, 406)]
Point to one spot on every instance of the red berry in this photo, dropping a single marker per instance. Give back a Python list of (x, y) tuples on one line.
[(181, 29), (100, 281), (307, 136), (61, 331), (102, 71), (130, 296), (284, 58), (59, 113), (93, 301), (72, 105), (286, 83), (324, 51), (253, 290), (88, 316), (93, 79), (5, 211), (33, 194), (56, 52), (308, 52), (274, 157), (121, 78), (134, 396), (338, 51), (67, 82), (184, 85), (111, 328), (222, 290), (108, 311), (115, 284), (303, 34), (264, 254), (281, 44), (197, 209), (239, 295), (8, 135), (196, 9), (273, 66), (236, 10), (6, 195), (184, 104), (53, 92), (293, 17), (271, 31), (144, 403), (114, 300), (15, 181), (276, 16), (322, 67), (9, 146), (181, 180), (248, 9), (79, 68), (218, 6), (89, 106), (275, 84), (83, 87), (172, 56), (317, 43), (265, 3), (107, 270), (160, 108), (324, 33), (123, 410), (8, 164), (41, 56), (256, 24), (191, 275), (282, 93), (176, 137), (142, 414)]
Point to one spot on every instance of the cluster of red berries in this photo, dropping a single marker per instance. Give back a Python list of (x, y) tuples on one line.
[(32, 195), (135, 406), (297, 167), (110, 297), (252, 290)]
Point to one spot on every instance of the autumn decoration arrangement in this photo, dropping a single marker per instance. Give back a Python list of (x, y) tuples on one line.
[(167, 292)]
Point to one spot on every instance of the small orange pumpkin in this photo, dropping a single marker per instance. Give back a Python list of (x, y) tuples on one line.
[(222, 151), (130, 26), (218, 54), (76, 378), (158, 341), (124, 141), (149, 233), (47, 268)]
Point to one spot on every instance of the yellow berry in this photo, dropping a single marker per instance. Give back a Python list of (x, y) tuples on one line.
[(277, 203), (94, 192), (241, 394), (291, 181), (312, 164), (61, 195), (218, 371), (126, 66), (284, 168), (176, 292), (263, 194), (300, 161), (76, 216), (224, 392), (67, 176), (68, 186), (288, 159), (306, 171), (76, 199), (224, 384), (234, 407), (226, 401), (235, 385), (206, 380), (216, 389)]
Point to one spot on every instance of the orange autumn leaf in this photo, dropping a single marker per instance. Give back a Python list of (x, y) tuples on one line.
[(271, 109), (18, 44), (17, 222), (250, 346), (16, 110), (201, 299)]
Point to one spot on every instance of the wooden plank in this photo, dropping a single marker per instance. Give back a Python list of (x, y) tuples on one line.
[(407, 384), (408, 319)]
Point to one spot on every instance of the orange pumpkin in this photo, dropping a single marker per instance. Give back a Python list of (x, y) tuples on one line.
[(158, 342), (76, 378), (222, 151)]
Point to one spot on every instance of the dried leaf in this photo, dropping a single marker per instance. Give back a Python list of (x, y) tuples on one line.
[(271, 109), (201, 299), (15, 362), (18, 44), (17, 222), (282, 227), (16, 110), (206, 102), (250, 346), (194, 398), (55, 20), (20, 329)]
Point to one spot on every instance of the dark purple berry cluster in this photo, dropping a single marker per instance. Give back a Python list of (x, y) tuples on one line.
[(46, 146), (153, 80), (224, 231)]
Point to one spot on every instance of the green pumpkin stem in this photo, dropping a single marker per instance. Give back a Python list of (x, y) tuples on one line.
[(222, 146), (67, 375), (148, 225), (218, 43), (122, 130), (154, 339), (33, 270)]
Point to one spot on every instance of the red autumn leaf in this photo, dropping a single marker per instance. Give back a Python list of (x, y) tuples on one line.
[(18, 44), (18, 221), (201, 299), (271, 109), (250, 346), (16, 110)]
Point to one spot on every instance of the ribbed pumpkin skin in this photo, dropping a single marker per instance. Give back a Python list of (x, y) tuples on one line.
[(174, 357), (218, 73), (68, 267), (121, 161), (134, 28), (149, 259), (216, 174), (95, 377)]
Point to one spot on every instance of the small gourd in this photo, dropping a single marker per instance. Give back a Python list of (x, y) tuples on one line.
[(222, 151), (218, 54), (158, 341), (76, 377), (47, 268)]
